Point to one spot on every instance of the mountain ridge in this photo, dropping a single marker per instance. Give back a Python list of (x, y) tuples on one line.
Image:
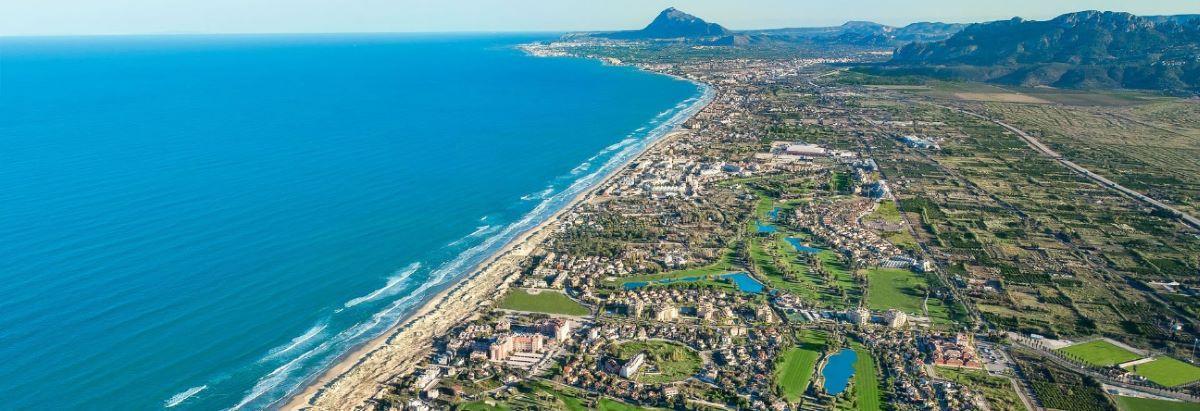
[(1083, 49)]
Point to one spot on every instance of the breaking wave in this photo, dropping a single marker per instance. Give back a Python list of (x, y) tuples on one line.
[(389, 289)]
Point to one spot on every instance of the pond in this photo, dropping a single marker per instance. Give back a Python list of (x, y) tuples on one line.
[(796, 242), (773, 214), (765, 228), (745, 282), (838, 370)]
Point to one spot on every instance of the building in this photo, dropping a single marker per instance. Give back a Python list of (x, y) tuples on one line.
[(805, 150), (631, 368), (860, 316), (508, 344), (666, 312), (895, 318), (557, 329)]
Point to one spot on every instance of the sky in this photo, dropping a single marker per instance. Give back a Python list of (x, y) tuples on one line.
[(89, 17)]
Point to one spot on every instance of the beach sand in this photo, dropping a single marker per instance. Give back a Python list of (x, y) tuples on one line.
[(363, 374)]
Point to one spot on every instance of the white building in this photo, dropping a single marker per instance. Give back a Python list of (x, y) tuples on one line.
[(631, 368)]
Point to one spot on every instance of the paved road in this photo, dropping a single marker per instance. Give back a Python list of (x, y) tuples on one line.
[(1187, 218)]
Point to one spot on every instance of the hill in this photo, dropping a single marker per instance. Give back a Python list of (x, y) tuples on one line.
[(673, 24), (1088, 49)]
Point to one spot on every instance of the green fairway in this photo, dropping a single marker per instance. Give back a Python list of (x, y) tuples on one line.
[(866, 382), (891, 288), (544, 301), (1168, 372), (797, 365), (1146, 404), (665, 361), (1099, 353)]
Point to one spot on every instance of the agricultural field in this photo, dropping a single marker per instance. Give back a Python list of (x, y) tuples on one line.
[(1146, 404), (1061, 389), (1168, 372), (795, 369), (1099, 353), (542, 301), (997, 391), (665, 361), (1150, 148), (1063, 256)]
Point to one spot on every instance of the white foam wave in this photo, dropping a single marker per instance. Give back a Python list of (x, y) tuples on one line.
[(479, 232), (538, 195), (183, 396), (295, 342), (279, 381), (388, 289)]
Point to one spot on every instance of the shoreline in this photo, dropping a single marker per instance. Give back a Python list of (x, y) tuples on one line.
[(361, 375)]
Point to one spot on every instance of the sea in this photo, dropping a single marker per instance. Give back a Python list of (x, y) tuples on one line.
[(208, 222)]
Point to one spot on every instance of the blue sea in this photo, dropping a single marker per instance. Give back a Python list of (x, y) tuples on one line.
[(206, 222)]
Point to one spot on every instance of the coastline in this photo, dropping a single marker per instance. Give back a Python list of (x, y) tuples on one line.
[(362, 374)]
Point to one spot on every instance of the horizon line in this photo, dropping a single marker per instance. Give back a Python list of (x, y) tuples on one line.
[(514, 31)]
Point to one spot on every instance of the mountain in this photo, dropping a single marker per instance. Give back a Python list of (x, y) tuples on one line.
[(866, 33), (1076, 50), (673, 24)]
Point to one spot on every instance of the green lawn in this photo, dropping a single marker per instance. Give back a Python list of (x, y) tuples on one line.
[(795, 369), (886, 211), (1099, 353), (1168, 372), (1146, 404), (544, 301), (866, 383), (891, 288), (997, 390), (674, 362)]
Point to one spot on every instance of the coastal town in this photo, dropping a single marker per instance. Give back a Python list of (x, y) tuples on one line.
[(803, 243)]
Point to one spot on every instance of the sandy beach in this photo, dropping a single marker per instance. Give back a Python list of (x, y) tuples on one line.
[(363, 374)]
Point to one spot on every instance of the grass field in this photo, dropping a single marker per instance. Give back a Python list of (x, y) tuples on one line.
[(1168, 372), (665, 361), (795, 369), (1146, 404), (1100, 353), (867, 394), (891, 288), (549, 302), (997, 390)]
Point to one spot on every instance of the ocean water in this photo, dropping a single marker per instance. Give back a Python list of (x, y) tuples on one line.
[(193, 222)]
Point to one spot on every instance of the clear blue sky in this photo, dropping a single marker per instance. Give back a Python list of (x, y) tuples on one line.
[(53, 17)]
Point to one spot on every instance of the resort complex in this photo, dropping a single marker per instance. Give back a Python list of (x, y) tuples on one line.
[(819, 238)]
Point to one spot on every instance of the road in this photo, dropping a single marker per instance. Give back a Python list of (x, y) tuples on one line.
[(1037, 145)]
